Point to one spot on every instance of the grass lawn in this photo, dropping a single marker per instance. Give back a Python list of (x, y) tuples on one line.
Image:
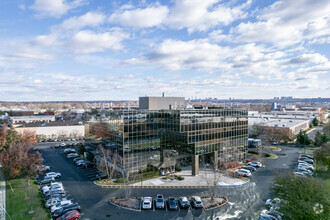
[(265, 155), (273, 147), (21, 199), (307, 152)]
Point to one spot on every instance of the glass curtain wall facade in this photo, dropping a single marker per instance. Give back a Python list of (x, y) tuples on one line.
[(150, 137)]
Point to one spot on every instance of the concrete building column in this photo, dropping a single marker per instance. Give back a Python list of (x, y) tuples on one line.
[(215, 160), (195, 165)]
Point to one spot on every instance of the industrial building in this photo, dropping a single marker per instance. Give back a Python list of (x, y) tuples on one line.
[(157, 137), (54, 129), (15, 120)]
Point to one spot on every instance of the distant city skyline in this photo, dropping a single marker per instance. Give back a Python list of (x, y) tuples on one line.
[(82, 50)]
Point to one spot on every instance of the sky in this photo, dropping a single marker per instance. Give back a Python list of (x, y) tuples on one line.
[(62, 50)]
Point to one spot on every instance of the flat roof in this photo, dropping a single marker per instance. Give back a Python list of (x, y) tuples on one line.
[(32, 116), (51, 124), (276, 122)]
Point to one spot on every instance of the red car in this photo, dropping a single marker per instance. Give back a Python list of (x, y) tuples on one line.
[(71, 215)]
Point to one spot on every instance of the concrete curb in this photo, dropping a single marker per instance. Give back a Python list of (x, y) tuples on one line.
[(216, 206), (119, 206), (235, 185)]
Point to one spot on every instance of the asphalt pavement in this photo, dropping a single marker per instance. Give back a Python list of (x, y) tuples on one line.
[(245, 202)]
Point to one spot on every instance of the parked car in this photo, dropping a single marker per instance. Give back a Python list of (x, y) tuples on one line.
[(55, 195), (72, 155), (307, 155), (172, 203), (305, 158), (184, 202), (80, 162), (254, 164), (273, 203), (53, 174), (65, 209), (69, 150), (53, 185), (306, 161), (160, 202), (49, 193), (87, 164), (249, 168), (46, 180), (71, 215), (76, 159), (303, 170), (53, 201), (306, 165), (60, 205), (196, 202), (101, 176), (42, 168), (243, 172), (147, 203)]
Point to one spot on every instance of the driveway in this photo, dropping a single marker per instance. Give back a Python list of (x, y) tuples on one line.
[(245, 202)]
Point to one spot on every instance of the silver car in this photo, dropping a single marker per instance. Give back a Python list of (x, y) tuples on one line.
[(160, 202)]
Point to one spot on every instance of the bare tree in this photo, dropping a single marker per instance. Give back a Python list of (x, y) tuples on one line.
[(212, 176)]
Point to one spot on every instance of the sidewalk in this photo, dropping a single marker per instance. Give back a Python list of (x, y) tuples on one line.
[(2, 197), (190, 180)]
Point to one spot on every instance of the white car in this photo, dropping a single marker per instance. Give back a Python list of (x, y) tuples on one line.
[(243, 172), (43, 168), (302, 164), (147, 203), (72, 155), (53, 174), (299, 174), (54, 185), (255, 164), (273, 203), (60, 205), (53, 201), (196, 202)]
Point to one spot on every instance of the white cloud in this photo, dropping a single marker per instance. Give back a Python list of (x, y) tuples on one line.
[(91, 42), (285, 23), (140, 18), (90, 19), (200, 15), (55, 8)]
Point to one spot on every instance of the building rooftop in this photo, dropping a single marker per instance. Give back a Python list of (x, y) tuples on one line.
[(32, 116), (51, 124), (276, 122)]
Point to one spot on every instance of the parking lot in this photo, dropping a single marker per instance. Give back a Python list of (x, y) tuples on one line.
[(245, 202)]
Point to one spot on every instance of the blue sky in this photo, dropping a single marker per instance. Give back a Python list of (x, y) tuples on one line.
[(115, 50)]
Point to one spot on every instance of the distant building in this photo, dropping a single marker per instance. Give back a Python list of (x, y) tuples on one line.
[(274, 106), (54, 129), (30, 119), (162, 103), (21, 113)]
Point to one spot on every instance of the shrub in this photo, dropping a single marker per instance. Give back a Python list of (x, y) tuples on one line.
[(120, 180), (180, 178)]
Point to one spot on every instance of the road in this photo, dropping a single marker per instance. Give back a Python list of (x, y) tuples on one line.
[(311, 134), (245, 202)]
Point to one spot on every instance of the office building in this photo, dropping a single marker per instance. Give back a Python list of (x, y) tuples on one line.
[(159, 137)]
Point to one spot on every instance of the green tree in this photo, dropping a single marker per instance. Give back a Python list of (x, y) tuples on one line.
[(311, 125), (315, 122), (303, 139), (299, 196), (81, 149), (320, 139)]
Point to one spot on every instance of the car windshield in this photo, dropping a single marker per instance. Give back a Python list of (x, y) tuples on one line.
[(146, 203), (160, 200), (198, 202)]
